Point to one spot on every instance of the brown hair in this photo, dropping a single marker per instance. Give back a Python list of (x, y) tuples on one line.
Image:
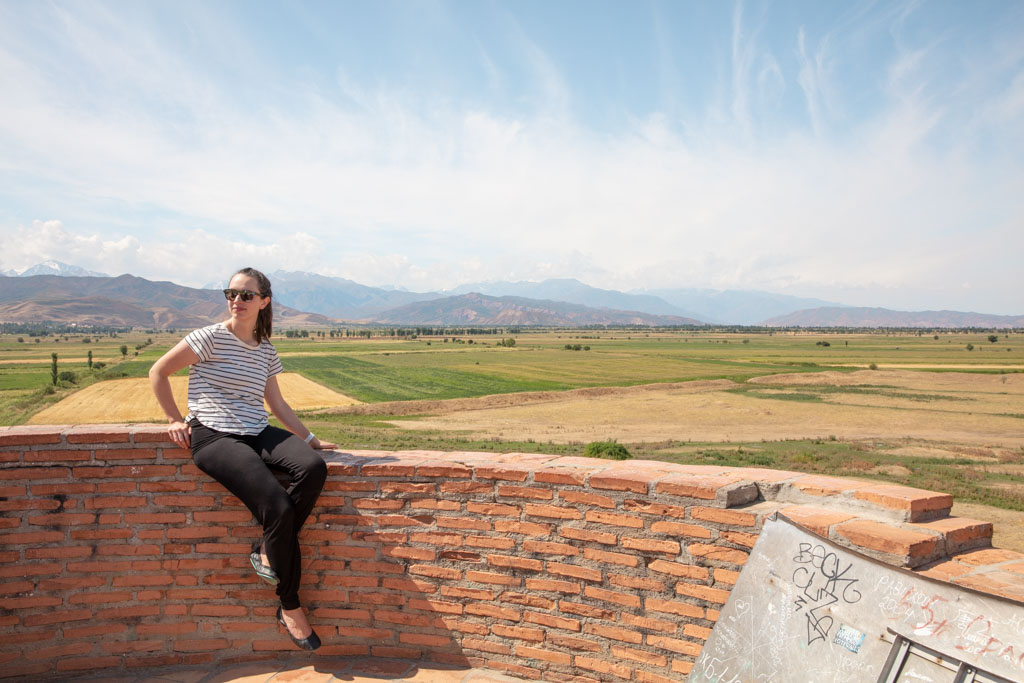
[(265, 321)]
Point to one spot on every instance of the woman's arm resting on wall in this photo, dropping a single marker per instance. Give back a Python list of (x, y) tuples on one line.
[(283, 412), (179, 357)]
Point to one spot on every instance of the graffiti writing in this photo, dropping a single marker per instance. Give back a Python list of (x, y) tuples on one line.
[(824, 582)]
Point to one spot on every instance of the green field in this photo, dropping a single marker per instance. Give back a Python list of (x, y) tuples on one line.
[(381, 369)]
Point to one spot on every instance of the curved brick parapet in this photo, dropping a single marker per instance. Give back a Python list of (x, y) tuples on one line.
[(117, 553)]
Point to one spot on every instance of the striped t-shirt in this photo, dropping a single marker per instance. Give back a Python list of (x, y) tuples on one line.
[(226, 386)]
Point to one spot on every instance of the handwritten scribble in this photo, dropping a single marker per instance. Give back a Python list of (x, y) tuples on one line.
[(824, 583)]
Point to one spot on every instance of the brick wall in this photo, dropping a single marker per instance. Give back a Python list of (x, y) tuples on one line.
[(116, 553)]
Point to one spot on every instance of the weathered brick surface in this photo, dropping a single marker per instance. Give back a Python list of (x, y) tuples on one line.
[(117, 553)]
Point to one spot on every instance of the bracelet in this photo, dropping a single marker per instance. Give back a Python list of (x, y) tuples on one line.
[(310, 437)]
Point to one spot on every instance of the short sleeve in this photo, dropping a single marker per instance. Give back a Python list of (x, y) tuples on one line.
[(273, 362), (201, 342)]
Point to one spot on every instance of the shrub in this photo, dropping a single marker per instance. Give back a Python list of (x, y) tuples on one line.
[(873, 366), (970, 347), (67, 376), (993, 338), (609, 450)]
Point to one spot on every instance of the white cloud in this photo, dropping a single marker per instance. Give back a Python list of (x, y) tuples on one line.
[(386, 185)]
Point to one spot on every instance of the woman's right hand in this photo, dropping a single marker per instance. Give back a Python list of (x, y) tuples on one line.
[(180, 433)]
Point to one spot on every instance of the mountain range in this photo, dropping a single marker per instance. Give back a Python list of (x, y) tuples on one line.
[(307, 298)]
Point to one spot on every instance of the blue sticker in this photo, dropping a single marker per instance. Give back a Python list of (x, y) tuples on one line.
[(850, 638)]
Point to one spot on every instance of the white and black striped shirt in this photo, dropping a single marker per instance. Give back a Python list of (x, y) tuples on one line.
[(226, 386)]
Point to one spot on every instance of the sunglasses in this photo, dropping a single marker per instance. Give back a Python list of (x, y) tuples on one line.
[(245, 294)]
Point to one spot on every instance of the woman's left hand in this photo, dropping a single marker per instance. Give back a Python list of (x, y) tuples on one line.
[(319, 445)]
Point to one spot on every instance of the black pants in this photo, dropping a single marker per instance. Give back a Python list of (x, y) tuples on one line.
[(245, 466)]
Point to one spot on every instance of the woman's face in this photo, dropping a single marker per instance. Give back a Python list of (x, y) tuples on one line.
[(244, 310)]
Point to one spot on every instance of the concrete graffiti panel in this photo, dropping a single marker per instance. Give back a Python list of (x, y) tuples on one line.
[(807, 610)]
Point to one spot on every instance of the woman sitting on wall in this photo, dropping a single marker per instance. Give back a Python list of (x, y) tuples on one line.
[(233, 371)]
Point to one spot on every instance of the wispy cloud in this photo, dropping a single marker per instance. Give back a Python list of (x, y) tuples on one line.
[(145, 159)]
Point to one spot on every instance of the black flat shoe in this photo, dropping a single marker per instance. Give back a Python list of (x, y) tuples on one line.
[(310, 643), (262, 570)]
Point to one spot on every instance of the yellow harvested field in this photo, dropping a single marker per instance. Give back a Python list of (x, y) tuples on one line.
[(131, 400), (981, 410)]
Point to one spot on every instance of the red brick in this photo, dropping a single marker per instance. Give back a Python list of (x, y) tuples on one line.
[(26, 435), (601, 666), (525, 528), (58, 456), (552, 511), (714, 552), (59, 617), (575, 644), (438, 606), (495, 611), (466, 487), (610, 558), (446, 470), (490, 577), (694, 631), (624, 599), (684, 647), (680, 529), (731, 517), (614, 519), (93, 631), (643, 656), (435, 572), (584, 498), (553, 621), (504, 472), (574, 571), (525, 492), (637, 582), (36, 473), (463, 523), (518, 632), (515, 562), (32, 537), (586, 535), (888, 539), (916, 503), (696, 486), (543, 655), (527, 600), (548, 548), (625, 479), (740, 538), (649, 623), (591, 611), (559, 475), (650, 545), (93, 597), (683, 609), (960, 532), (493, 509), (554, 586), (818, 520), (692, 590), (486, 646), (498, 542)]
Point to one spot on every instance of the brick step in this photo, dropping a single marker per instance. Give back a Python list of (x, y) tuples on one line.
[(901, 544)]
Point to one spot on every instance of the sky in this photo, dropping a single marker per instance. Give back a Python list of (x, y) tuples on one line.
[(868, 153)]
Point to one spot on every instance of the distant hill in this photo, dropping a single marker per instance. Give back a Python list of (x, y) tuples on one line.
[(480, 309), (735, 306), (832, 316), (573, 291), (125, 300), (338, 297)]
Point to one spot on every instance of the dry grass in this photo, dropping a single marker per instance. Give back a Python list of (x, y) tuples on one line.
[(912, 405), (131, 400)]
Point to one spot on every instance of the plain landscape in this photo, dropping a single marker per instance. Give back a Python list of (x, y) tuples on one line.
[(941, 410)]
